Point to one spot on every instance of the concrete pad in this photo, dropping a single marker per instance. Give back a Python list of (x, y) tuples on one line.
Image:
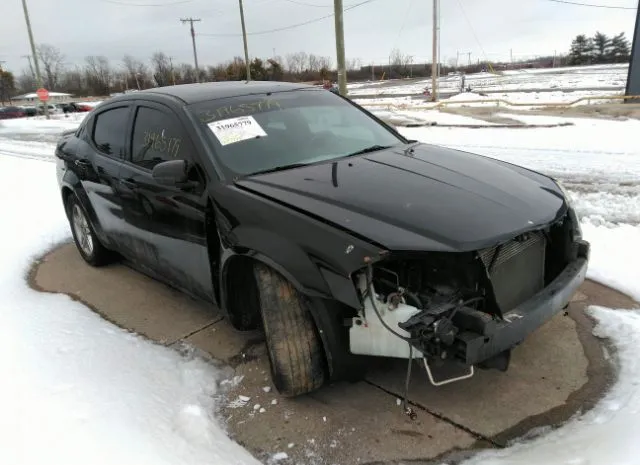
[(544, 371), (342, 423), (557, 371), (123, 296)]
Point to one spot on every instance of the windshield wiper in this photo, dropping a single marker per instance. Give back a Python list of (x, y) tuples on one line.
[(278, 168), (372, 148)]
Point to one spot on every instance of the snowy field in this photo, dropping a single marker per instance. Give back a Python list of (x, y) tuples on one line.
[(606, 76), (77, 389), (548, 85)]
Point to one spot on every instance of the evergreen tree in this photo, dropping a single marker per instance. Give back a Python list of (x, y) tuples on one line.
[(619, 51), (581, 50), (601, 48)]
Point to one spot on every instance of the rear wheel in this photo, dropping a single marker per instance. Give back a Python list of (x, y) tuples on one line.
[(295, 351), (87, 242)]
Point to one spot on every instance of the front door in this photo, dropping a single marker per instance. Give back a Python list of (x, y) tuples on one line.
[(100, 153), (165, 225)]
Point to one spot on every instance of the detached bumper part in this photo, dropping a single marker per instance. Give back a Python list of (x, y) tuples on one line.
[(476, 345)]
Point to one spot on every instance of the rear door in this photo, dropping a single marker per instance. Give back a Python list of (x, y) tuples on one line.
[(100, 153), (165, 225)]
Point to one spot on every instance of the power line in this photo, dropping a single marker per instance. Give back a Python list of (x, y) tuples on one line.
[(472, 30), (612, 7), (292, 26)]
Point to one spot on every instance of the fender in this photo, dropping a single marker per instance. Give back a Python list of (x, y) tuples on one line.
[(71, 181), (324, 291), (292, 262)]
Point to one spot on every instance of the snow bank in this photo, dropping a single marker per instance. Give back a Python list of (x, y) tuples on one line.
[(615, 255), (609, 433), (39, 125), (76, 389)]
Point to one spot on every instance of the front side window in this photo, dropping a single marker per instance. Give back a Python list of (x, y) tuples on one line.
[(110, 130), (258, 133), (157, 137)]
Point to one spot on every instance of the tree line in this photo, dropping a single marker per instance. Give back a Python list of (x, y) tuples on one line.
[(599, 49), (100, 76)]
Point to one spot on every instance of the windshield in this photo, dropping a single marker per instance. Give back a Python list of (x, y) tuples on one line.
[(258, 133)]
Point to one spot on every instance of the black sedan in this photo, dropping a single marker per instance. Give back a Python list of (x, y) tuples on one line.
[(295, 210)]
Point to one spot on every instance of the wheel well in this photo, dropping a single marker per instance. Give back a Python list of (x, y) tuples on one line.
[(66, 192), (242, 298)]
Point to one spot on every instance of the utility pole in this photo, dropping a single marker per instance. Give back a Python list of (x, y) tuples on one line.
[(434, 60), (193, 40), (28, 57), (244, 39), (511, 55), (469, 54), (339, 24), (373, 72), (35, 56), (173, 74)]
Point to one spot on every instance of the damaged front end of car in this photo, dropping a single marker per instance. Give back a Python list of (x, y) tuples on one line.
[(467, 309)]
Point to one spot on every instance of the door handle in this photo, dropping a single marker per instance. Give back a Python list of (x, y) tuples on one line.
[(82, 163)]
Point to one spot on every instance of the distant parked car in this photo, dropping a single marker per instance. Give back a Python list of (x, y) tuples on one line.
[(80, 107), (30, 110), (12, 112), (52, 109)]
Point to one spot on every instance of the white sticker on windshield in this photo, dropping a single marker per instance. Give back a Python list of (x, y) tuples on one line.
[(229, 131)]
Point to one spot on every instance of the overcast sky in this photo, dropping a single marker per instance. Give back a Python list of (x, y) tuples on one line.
[(486, 28)]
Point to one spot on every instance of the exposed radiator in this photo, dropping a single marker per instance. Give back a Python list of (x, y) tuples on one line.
[(516, 268)]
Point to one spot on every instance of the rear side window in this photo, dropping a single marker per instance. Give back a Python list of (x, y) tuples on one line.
[(157, 137), (110, 130)]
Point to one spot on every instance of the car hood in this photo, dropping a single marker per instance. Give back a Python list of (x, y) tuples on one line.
[(432, 198)]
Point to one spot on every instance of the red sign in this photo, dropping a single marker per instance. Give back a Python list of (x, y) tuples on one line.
[(43, 94)]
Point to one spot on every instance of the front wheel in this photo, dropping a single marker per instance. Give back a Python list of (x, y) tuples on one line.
[(87, 242), (296, 354)]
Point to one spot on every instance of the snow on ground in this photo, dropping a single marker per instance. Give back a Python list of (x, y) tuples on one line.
[(75, 388), (424, 117), (608, 434), (607, 77)]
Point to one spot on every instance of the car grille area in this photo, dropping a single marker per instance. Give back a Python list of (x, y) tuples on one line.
[(516, 268)]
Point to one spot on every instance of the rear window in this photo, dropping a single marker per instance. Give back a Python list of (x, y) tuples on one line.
[(260, 132)]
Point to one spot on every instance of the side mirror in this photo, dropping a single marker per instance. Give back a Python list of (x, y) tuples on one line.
[(173, 173)]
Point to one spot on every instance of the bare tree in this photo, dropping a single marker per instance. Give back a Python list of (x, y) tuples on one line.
[(314, 63), (99, 74), (74, 81), (52, 63), (353, 64), (187, 73), (325, 62), (161, 69), (136, 72), (400, 62), (26, 82), (297, 62)]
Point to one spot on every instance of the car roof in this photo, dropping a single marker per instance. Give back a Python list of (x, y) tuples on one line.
[(194, 93)]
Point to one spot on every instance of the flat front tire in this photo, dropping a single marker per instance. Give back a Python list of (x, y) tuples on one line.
[(295, 350), (87, 242)]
